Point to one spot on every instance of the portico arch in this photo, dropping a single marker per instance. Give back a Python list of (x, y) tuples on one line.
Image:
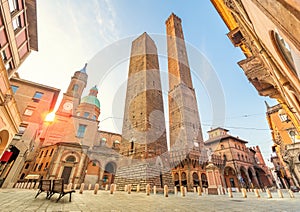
[(230, 176), (109, 173)]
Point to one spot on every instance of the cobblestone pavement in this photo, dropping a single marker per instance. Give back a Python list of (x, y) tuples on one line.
[(23, 200)]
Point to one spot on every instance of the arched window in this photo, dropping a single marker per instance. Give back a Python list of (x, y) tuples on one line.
[(27, 166), (71, 159), (289, 56)]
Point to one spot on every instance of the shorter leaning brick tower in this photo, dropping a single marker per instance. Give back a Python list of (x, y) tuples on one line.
[(144, 143)]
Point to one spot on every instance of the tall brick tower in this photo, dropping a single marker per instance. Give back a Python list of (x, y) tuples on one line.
[(185, 129), (144, 142)]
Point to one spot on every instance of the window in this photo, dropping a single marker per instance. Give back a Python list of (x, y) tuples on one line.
[(71, 159), (7, 66), (239, 157), (3, 55), (86, 114), (75, 89), (40, 167), (35, 167), (28, 112), (14, 88), (13, 5), (290, 57), (16, 23), (41, 154), (222, 146), (81, 130), (46, 165), (51, 152), (46, 153), (103, 142), (37, 96), (94, 117), (27, 166)]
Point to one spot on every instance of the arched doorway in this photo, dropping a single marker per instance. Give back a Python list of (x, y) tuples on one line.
[(67, 169), (204, 181), (109, 173), (195, 179), (231, 180), (262, 178), (183, 179), (176, 180)]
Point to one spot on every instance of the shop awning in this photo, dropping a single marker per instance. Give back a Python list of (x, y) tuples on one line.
[(6, 156), (32, 177)]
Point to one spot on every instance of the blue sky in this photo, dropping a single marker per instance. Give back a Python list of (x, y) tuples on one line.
[(72, 32)]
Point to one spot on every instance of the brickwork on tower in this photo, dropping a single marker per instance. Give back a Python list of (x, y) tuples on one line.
[(185, 128), (144, 132)]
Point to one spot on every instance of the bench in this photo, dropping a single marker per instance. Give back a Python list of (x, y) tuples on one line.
[(59, 188), (44, 186)]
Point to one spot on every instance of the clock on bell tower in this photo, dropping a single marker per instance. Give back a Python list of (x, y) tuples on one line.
[(73, 94)]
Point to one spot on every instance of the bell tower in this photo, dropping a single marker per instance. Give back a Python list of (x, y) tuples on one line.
[(71, 98)]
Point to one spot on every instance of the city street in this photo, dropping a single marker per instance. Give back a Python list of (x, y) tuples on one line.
[(23, 200)]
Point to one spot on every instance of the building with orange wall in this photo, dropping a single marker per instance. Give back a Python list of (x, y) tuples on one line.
[(34, 102)]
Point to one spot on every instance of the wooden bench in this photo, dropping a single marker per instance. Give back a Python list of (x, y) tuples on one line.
[(44, 186), (58, 187)]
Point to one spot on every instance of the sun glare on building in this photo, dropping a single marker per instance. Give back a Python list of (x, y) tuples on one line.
[(50, 117)]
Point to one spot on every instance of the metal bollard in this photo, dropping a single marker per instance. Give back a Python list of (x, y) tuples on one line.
[(126, 188), (154, 189), (138, 188), (166, 192), (90, 186), (106, 187), (96, 188)]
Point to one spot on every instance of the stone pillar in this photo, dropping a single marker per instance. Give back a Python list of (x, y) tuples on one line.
[(166, 192), (96, 188), (256, 193), (212, 178), (81, 188)]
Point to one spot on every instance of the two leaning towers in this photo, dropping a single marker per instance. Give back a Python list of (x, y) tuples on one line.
[(144, 148)]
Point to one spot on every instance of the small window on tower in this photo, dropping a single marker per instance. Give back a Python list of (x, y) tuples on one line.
[(75, 88), (37, 96), (86, 114), (14, 88), (81, 130)]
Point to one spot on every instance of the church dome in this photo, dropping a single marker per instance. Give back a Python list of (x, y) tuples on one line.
[(92, 97)]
